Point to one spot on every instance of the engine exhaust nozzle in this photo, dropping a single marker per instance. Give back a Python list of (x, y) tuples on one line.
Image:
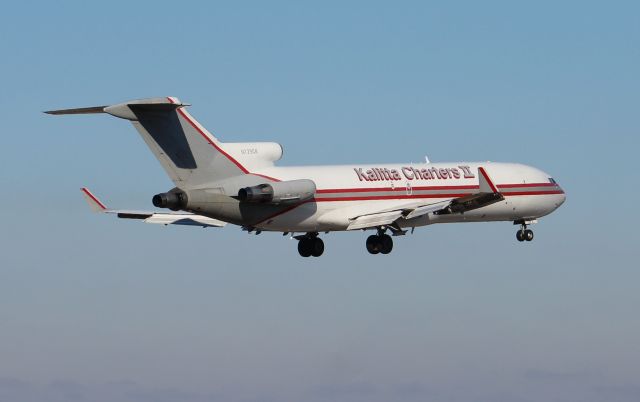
[(175, 201)]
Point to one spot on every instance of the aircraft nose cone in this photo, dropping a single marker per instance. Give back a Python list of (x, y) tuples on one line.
[(562, 197)]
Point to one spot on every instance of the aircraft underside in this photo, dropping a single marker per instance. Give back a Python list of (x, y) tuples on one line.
[(305, 223)]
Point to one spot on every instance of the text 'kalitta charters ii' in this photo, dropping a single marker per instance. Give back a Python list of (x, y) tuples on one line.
[(412, 173)]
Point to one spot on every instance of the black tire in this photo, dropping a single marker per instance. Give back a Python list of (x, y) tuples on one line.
[(317, 247), (528, 235), (304, 247), (373, 244), (386, 243), (520, 235)]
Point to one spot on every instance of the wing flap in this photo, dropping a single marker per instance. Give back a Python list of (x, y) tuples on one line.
[(373, 220), (388, 217), (184, 219), (425, 209)]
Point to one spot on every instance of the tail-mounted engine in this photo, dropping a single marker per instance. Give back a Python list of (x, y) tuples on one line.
[(283, 192), (174, 200)]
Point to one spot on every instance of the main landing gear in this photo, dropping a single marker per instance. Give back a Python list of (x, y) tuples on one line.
[(310, 245), (524, 234), (379, 243)]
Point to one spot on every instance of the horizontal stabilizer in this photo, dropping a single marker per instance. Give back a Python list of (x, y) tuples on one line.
[(79, 110), (130, 110), (163, 218)]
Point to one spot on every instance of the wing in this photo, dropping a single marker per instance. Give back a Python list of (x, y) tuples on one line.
[(487, 194), (164, 218), (390, 216)]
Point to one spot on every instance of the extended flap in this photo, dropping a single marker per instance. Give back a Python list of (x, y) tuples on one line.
[(373, 220)]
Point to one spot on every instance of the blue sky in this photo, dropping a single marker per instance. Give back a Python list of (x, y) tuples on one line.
[(99, 309)]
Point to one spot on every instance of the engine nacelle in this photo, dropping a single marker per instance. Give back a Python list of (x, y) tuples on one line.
[(282, 192), (255, 155), (174, 200)]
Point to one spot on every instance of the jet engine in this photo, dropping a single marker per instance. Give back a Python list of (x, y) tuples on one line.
[(282, 192), (174, 200)]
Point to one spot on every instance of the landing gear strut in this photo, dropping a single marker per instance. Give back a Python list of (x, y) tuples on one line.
[(524, 234), (379, 243), (310, 245)]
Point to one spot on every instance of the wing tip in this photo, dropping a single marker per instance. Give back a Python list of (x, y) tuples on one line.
[(92, 200)]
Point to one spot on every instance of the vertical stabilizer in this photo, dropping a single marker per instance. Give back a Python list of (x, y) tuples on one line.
[(190, 155)]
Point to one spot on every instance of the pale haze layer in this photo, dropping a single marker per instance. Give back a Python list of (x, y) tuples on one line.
[(96, 309)]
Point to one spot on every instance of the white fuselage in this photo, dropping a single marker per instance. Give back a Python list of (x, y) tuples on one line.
[(238, 183), (351, 190)]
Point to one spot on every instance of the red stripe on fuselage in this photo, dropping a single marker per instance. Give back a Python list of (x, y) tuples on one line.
[(422, 188), (401, 188), (514, 193), (284, 211), (426, 196), (389, 197), (528, 185)]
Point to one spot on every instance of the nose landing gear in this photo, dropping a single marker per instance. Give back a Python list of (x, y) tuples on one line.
[(524, 234)]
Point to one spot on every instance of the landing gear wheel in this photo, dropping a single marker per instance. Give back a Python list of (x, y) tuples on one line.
[(387, 244), (520, 235), (317, 246), (374, 245), (528, 235), (304, 247), (310, 246)]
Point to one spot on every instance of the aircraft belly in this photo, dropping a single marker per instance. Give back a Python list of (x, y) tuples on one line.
[(511, 209), (298, 218), (321, 216), (335, 215)]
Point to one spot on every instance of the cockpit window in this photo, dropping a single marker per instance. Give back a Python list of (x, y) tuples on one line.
[(552, 181)]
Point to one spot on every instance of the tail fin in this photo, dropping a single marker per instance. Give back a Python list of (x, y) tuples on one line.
[(189, 154)]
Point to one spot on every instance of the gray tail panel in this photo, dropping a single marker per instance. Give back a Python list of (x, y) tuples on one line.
[(163, 126), (190, 155)]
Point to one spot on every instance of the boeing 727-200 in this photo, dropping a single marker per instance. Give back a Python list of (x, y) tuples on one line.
[(221, 182)]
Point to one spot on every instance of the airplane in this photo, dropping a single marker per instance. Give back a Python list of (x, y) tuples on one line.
[(238, 183)]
